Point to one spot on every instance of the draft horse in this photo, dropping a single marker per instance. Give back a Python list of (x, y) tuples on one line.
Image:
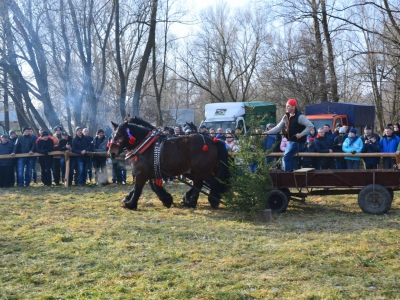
[(207, 159)]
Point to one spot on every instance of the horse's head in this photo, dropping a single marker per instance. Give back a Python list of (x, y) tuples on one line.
[(119, 139)]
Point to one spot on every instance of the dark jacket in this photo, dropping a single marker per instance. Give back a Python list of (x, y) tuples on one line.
[(25, 144), (44, 147), (293, 127), (63, 143), (6, 148), (371, 148), (322, 144), (99, 145), (337, 146), (83, 143)]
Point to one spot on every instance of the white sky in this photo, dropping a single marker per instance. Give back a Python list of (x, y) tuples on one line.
[(195, 6), (200, 4)]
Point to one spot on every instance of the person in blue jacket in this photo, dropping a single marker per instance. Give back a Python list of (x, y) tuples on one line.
[(388, 144), (353, 144)]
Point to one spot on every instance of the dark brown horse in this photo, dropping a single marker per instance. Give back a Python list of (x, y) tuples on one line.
[(206, 159)]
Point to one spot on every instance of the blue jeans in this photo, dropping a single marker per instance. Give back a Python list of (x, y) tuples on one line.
[(62, 166), (290, 162), (352, 164), (82, 163), (23, 162)]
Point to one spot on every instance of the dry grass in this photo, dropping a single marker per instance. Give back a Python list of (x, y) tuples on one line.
[(78, 243)]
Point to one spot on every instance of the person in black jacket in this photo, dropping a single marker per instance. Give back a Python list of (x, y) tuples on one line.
[(80, 145), (64, 144), (44, 146), (100, 163), (26, 143), (337, 147), (6, 165), (323, 144)]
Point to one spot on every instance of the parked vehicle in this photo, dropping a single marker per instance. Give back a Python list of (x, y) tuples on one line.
[(235, 114), (352, 114)]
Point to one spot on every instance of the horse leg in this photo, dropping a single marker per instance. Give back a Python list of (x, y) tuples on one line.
[(162, 194), (214, 197), (186, 197), (197, 185), (132, 203), (128, 197)]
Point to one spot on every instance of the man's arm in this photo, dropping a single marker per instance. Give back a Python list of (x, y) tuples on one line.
[(278, 128), (306, 122)]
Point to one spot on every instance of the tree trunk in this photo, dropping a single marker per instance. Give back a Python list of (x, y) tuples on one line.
[(319, 52), (331, 56), (145, 58)]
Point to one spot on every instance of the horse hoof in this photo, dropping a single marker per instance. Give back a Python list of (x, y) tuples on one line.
[(126, 205), (168, 202)]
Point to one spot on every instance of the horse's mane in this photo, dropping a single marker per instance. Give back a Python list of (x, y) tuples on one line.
[(192, 126), (139, 121)]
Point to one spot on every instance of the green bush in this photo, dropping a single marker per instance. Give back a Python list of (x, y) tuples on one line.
[(249, 191)]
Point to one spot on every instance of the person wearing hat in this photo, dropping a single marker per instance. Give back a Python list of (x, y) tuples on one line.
[(297, 127), (271, 143), (337, 148), (353, 145), (57, 132), (65, 144), (100, 163), (89, 174), (308, 161), (369, 147), (6, 165), (177, 131), (44, 146), (25, 144), (203, 129), (337, 127), (80, 145), (388, 144)]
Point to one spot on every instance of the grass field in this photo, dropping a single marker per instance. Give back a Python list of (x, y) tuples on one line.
[(78, 243)]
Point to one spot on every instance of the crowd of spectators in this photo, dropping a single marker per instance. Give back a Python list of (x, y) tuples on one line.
[(22, 170)]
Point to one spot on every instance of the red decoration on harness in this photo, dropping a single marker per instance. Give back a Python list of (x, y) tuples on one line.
[(132, 140), (108, 145), (159, 182), (215, 140), (205, 148)]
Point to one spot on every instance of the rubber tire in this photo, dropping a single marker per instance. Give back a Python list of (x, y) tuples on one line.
[(287, 193), (277, 201), (374, 199)]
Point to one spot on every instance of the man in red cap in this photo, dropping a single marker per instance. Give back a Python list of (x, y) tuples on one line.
[(297, 127)]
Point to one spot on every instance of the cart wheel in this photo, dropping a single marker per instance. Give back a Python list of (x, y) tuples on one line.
[(286, 191), (391, 194), (374, 199), (277, 201)]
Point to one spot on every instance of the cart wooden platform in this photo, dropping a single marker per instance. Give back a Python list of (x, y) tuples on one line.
[(375, 188)]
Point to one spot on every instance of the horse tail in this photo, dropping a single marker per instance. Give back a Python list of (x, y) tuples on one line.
[(223, 163)]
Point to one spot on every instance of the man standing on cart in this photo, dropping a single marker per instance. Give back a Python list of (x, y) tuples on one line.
[(297, 127)]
